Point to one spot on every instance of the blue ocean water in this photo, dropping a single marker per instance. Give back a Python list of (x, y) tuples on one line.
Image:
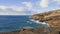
[(9, 23)]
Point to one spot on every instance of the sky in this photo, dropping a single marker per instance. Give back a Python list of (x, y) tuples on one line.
[(27, 7)]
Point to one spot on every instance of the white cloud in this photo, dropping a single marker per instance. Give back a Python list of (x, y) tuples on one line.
[(57, 1), (16, 8), (3, 7), (44, 3), (28, 4), (11, 10)]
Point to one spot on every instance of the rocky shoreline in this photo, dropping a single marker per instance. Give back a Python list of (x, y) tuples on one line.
[(51, 17), (40, 30)]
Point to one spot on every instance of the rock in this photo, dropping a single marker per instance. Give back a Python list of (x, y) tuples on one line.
[(34, 31), (54, 23), (50, 17), (39, 30)]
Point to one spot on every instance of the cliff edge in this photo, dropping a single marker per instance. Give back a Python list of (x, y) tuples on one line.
[(50, 17)]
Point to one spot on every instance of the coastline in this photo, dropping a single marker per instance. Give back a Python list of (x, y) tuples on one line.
[(37, 30)]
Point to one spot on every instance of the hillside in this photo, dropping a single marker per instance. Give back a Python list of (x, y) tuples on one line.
[(50, 17)]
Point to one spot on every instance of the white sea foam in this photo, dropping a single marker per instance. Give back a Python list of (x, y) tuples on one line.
[(35, 21), (32, 20), (29, 22)]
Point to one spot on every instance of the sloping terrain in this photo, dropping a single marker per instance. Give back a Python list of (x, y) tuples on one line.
[(29, 31), (50, 17)]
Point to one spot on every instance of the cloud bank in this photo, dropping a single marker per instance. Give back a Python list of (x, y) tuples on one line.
[(45, 3), (15, 10), (11, 10), (30, 8), (57, 1)]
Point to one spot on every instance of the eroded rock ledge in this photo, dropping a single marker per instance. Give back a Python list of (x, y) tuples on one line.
[(50, 17)]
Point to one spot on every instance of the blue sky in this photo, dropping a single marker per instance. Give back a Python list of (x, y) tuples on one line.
[(27, 7)]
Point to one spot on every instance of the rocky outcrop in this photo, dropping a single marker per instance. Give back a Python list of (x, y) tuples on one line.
[(35, 31), (40, 30), (50, 17)]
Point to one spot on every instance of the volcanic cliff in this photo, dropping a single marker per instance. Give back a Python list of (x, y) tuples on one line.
[(50, 17)]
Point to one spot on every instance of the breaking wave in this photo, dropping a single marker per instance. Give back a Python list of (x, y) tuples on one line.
[(37, 22)]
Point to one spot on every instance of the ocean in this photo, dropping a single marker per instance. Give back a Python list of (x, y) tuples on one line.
[(10, 23)]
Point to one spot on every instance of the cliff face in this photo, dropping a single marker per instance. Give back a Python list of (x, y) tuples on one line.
[(50, 17)]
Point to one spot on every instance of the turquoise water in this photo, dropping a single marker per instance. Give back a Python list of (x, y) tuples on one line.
[(9, 23)]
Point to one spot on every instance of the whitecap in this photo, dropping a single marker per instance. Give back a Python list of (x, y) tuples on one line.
[(29, 22), (36, 21)]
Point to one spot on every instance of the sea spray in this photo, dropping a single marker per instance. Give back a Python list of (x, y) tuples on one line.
[(36, 21)]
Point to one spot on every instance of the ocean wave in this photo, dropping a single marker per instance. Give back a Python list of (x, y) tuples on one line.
[(35, 21)]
